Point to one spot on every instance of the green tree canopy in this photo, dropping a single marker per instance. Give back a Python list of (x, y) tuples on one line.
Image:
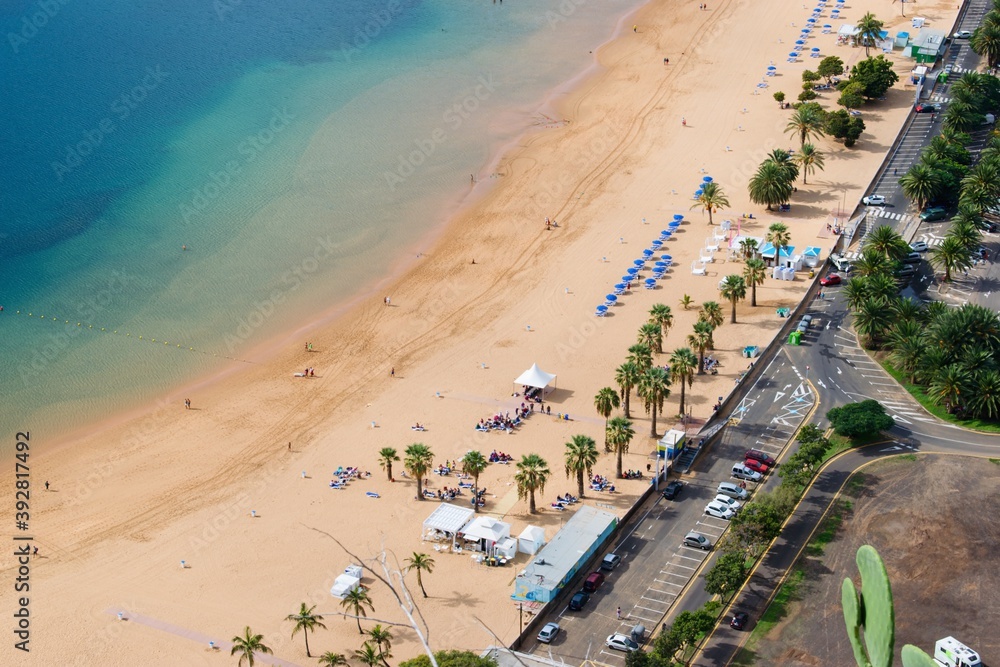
[(860, 419), (875, 75), (830, 67)]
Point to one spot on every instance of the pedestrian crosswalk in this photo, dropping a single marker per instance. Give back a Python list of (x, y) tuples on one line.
[(882, 212), (930, 239), (940, 99)]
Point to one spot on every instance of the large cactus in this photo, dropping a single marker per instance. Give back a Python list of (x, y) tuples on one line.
[(914, 657), (871, 611)]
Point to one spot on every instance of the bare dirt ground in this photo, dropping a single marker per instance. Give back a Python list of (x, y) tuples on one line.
[(934, 520)]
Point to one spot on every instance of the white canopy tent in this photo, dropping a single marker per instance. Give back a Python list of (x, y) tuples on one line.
[(486, 528), (448, 520), (531, 540), (535, 377)]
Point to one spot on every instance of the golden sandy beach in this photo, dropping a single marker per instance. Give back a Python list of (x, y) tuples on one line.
[(130, 502)]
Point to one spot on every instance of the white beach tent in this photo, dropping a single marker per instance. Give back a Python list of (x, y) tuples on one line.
[(448, 519), (486, 528), (531, 540), (535, 377)]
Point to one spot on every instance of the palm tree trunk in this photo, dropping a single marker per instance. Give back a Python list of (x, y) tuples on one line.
[(579, 482), (618, 474), (628, 392), (305, 633), (420, 492), (359, 621), (732, 319), (531, 501), (753, 294), (652, 430), (382, 656), (475, 496), (682, 396), (701, 361), (709, 215), (388, 471), (420, 582)]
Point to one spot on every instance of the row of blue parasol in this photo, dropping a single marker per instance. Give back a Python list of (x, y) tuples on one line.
[(806, 31)]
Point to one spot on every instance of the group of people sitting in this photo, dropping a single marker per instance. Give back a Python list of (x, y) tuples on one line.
[(600, 483), (307, 373), (446, 493), (342, 475), (562, 501), (500, 457), (632, 474), (711, 365), (499, 422), (417, 426), (480, 498)]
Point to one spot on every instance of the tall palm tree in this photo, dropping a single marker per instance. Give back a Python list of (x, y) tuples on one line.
[(986, 398), (654, 388), (383, 640), (783, 159), (748, 249), (807, 123), (620, 434), (951, 255), (686, 301), (769, 185), (581, 455), (331, 659), (942, 149), (962, 117), (368, 655), (872, 320), (606, 401), (754, 272), (870, 31), (355, 602), (701, 340), (711, 312), (733, 288), (650, 335), (982, 178), (872, 262), (419, 562), (474, 463), (627, 377), (418, 461), (809, 159), (950, 386), (906, 354), (778, 236), (661, 314), (920, 184), (386, 457), (532, 473), (712, 198), (965, 233), (887, 241), (855, 291), (986, 42), (683, 364), (307, 622), (247, 645), (641, 355)]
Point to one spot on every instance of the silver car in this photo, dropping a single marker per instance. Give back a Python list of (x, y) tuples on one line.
[(548, 633), (697, 540), (719, 510)]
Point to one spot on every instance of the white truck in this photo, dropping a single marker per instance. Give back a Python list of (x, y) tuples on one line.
[(950, 652)]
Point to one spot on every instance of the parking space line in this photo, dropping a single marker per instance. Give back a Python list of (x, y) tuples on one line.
[(655, 590)]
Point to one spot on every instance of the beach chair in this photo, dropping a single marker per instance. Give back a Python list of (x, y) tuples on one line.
[(697, 268), (712, 245), (371, 494), (706, 256)]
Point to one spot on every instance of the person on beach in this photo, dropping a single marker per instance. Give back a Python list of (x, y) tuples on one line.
[(392, 373), (187, 403), (635, 28), (46, 485)]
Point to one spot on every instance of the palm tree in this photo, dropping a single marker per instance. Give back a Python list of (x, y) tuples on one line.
[(654, 388), (686, 301), (872, 262), (368, 655), (855, 291), (712, 198), (806, 122), (754, 272), (606, 402), (949, 386), (650, 335), (420, 563), (906, 354), (627, 377), (532, 473), (783, 159), (778, 236), (383, 640), (701, 340), (982, 185), (581, 455), (920, 184), (962, 117), (661, 314), (986, 42), (733, 288), (683, 364), (247, 645), (887, 241), (711, 312), (474, 463), (641, 355), (418, 461), (870, 30), (810, 159), (748, 248), (951, 255), (620, 434), (331, 659), (941, 149), (965, 233), (871, 320), (355, 602), (307, 622), (986, 399), (770, 185), (386, 457)]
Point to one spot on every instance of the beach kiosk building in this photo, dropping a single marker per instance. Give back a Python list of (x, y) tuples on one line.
[(671, 444), (445, 522), (569, 550), (928, 45)]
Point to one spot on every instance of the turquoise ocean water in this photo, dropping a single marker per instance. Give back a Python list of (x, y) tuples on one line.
[(296, 147)]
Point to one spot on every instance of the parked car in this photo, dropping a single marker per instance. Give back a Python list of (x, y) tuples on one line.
[(610, 562), (734, 505), (739, 620), (593, 582), (732, 490), (963, 34), (577, 601), (740, 471), (925, 107), (912, 258), (719, 510), (918, 246), (548, 633), (758, 455), (673, 489), (906, 272), (756, 466), (934, 213), (830, 279), (620, 642), (840, 263), (873, 200), (697, 540)]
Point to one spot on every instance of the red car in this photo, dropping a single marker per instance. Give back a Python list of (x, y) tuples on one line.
[(756, 466), (832, 279), (757, 455)]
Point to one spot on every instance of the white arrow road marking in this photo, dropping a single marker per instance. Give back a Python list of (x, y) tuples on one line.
[(820, 383), (778, 395), (839, 372)]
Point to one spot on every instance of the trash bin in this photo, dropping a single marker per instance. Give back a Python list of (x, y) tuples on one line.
[(638, 633)]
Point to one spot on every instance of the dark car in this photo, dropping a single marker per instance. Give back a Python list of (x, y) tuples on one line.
[(831, 279), (672, 490), (580, 599), (739, 620), (924, 107), (934, 213), (757, 455)]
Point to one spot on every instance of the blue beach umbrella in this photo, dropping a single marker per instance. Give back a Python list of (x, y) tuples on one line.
[(628, 278), (810, 20), (678, 217), (793, 54), (620, 286), (611, 297), (638, 263), (632, 272), (800, 42), (666, 258), (656, 244), (815, 49), (647, 253), (602, 309), (708, 179)]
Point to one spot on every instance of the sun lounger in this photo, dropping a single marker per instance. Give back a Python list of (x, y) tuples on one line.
[(371, 494)]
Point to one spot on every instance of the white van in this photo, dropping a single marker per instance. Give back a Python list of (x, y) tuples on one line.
[(840, 263), (732, 490), (740, 471)]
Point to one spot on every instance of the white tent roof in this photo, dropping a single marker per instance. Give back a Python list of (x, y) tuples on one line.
[(533, 533), (486, 528), (448, 518), (848, 30), (535, 377)]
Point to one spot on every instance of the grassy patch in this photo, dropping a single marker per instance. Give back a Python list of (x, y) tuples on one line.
[(840, 443), (996, 461), (828, 529), (938, 411), (907, 457), (775, 612)]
